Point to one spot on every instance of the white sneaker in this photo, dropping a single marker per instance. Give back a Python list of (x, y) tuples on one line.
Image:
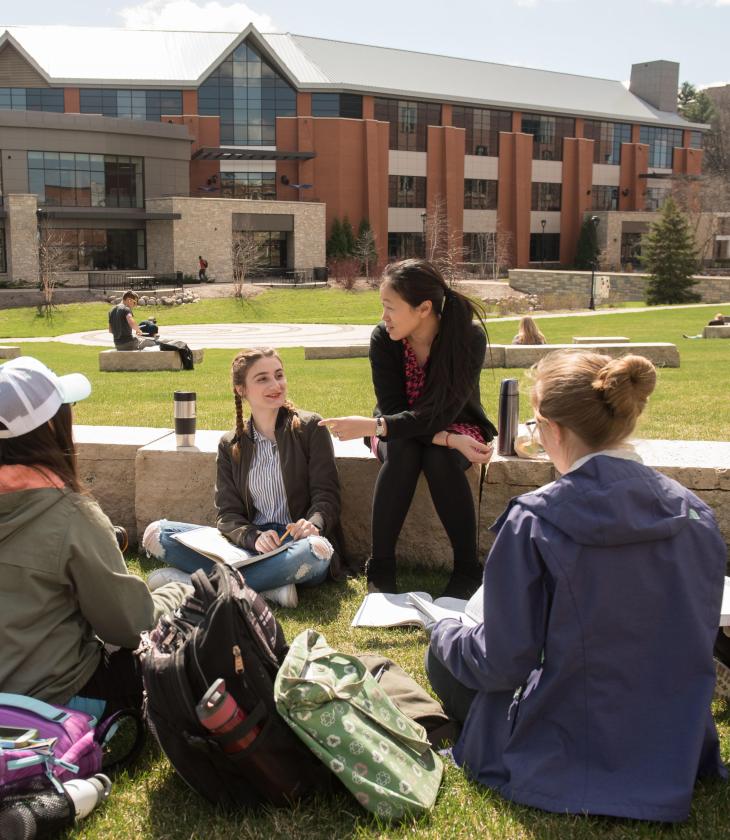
[(285, 595), (159, 577)]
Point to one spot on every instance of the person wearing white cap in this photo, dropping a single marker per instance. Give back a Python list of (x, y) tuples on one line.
[(64, 587)]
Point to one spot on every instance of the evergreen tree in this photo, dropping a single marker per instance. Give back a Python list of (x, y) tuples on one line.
[(694, 105), (669, 255), (337, 243), (349, 235), (586, 252)]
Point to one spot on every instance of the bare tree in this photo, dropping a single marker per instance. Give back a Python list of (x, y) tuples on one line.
[(246, 256), (717, 142), (699, 198), (366, 249), (493, 251), (443, 246), (53, 258)]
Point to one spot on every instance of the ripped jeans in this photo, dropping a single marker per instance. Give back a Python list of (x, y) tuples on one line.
[(304, 562)]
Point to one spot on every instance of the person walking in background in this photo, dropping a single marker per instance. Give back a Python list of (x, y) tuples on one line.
[(124, 328), (529, 333), (426, 358), (587, 687), (64, 587), (202, 269)]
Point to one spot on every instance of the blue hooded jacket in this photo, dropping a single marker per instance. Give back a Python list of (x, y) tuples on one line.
[(593, 666)]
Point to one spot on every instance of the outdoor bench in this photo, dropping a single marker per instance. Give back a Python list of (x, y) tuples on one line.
[(135, 360)]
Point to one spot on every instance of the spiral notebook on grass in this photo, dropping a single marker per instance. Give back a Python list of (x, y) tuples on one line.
[(212, 544), (382, 609)]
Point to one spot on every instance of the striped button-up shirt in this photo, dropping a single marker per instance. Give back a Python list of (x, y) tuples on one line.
[(266, 483)]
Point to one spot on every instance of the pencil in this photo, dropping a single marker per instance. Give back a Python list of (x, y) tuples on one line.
[(286, 534)]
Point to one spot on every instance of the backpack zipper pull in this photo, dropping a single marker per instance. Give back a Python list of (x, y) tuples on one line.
[(237, 659)]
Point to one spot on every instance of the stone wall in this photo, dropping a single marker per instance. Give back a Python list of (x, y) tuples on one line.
[(574, 287), (14, 298), (21, 231), (138, 476)]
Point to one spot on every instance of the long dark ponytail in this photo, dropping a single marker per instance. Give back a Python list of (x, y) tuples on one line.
[(448, 379)]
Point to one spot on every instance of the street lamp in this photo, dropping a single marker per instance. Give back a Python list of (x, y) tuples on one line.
[(543, 222), (592, 302), (424, 218)]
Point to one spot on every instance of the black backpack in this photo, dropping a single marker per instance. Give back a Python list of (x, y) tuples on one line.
[(225, 629), (186, 354)]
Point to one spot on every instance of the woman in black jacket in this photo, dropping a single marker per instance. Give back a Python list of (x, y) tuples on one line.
[(426, 357)]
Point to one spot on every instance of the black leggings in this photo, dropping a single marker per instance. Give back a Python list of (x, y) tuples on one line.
[(403, 461), (117, 680)]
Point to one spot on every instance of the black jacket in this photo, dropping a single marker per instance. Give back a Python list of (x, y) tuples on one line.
[(310, 478), (389, 381)]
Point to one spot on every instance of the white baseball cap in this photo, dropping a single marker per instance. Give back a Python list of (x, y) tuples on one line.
[(31, 394)]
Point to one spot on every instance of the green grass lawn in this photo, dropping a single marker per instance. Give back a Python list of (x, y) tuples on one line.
[(152, 802), (691, 402)]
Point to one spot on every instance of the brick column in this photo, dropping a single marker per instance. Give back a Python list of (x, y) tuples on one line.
[(576, 193), (22, 245), (445, 178), (71, 101), (634, 162), (515, 193)]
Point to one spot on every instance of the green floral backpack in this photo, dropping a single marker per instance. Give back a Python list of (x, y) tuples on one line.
[(340, 712)]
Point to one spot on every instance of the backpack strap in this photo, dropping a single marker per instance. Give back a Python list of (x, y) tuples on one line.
[(35, 706), (106, 730)]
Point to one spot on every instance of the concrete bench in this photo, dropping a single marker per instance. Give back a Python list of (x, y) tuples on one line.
[(716, 332), (8, 352), (524, 356), (345, 351), (600, 339), (135, 360)]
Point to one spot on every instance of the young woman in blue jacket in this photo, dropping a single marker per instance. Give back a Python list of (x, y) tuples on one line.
[(587, 687)]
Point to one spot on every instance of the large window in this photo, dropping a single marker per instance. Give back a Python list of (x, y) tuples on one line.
[(3, 256), (482, 128), (480, 194), (31, 99), (546, 196), (607, 138), (406, 191), (73, 179), (401, 246), (409, 122), (98, 249), (696, 140), (248, 95), (655, 197), (337, 105), (604, 197), (131, 104), (256, 185), (548, 134), (544, 247), (662, 142), (270, 245)]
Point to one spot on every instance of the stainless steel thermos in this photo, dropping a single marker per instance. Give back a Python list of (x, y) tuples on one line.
[(509, 415), (184, 418)]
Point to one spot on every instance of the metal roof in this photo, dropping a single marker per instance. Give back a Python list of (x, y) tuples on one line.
[(126, 57)]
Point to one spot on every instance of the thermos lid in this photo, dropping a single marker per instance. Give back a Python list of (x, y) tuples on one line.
[(509, 386), (184, 396)]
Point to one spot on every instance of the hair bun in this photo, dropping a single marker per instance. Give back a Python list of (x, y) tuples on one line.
[(625, 384)]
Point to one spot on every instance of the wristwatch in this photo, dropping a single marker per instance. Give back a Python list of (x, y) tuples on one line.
[(379, 427)]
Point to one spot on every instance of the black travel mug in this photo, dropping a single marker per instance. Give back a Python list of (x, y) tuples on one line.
[(509, 414), (184, 418)]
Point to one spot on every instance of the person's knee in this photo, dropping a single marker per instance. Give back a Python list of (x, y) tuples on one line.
[(152, 540), (404, 453), (311, 557), (439, 460)]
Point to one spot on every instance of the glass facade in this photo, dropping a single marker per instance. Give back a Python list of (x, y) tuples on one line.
[(409, 122), (3, 255), (604, 197), (655, 197), (406, 191), (401, 246), (73, 179), (31, 99), (98, 249), (607, 138), (255, 185), (546, 196), (696, 140), (271, 247), (131, 104), (248, 95), (480, 194), (548, 133), (544, 247), (662, 142), (348, 105), (482, 127)]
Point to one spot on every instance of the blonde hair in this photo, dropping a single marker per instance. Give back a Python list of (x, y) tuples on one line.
[(529, 332), (240, 367), (597, 397)]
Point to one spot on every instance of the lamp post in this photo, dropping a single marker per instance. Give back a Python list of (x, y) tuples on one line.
[(424, 219), (543, 222), (592, 302)]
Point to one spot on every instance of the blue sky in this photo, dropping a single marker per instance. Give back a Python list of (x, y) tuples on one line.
[(587, 37)]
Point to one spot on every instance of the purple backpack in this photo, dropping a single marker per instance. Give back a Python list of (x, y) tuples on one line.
[(72, 749)]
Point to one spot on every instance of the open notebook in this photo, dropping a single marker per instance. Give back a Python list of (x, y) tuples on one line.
[(382, 609), (212, 544)]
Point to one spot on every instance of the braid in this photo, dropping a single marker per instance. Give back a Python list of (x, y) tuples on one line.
[(236, 448), (291, 408)]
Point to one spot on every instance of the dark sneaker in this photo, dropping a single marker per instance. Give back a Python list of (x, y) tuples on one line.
[(122, 538), (461, 585), (381, 575)]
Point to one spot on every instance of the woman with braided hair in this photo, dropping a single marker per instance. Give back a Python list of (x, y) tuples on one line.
[(426, 356), (276, 482)]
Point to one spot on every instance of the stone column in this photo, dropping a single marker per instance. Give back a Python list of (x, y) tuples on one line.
[(22, 245)]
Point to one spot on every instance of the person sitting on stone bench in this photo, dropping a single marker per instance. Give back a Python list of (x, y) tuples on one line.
[(719, 320), (123, 326)]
